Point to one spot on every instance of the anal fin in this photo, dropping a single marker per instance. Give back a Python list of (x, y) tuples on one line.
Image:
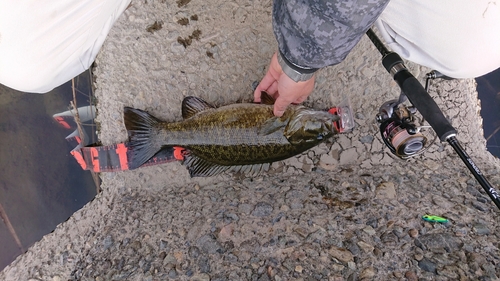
[(198, 167)]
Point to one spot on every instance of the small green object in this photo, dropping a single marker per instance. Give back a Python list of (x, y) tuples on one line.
[(431, 218)]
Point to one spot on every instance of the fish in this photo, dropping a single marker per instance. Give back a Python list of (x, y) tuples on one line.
[(240, 137)]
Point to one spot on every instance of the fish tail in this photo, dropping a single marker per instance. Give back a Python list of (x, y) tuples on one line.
[(141, 127)]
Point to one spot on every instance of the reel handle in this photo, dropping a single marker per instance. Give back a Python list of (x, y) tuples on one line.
[(419, 97)]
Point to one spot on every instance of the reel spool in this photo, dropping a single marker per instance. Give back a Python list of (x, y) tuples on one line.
[(399, 130)]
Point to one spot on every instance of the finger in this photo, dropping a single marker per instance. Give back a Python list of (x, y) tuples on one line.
[(273, 89), (280, 106), (264, 85)]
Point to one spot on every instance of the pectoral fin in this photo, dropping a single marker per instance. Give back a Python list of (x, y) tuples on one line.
[(271, 125)]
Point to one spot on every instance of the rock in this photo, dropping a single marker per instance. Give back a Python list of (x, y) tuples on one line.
[(341, 254), (194, 252), (427, 265), (449, 272), (327, 162), (302, 231), (359, 115), (481, 229), (348, 156), (262, 209), (209, 245), (437, 241), (245, 208), (226, 232), (204, 264), (369, 230), (200, 277), (413, 233), (368, 272), (108, 242), (490, 270), (411, 276), (366, 139), (172, 273), (385, 190), (365, 246)]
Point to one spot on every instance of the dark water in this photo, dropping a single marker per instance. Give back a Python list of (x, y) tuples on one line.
[(41, 184), (488, 88)]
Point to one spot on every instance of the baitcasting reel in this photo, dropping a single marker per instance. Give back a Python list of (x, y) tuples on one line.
[(399, 129)]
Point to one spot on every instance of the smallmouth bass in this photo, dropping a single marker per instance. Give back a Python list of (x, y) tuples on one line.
[(244, 137)]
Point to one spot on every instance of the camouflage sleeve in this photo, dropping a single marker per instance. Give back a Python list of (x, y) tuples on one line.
[(318, 33)]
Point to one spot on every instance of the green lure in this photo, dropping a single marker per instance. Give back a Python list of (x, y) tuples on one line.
[(434, 219)]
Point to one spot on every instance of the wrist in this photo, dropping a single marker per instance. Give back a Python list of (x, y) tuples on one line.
[(295, 72)]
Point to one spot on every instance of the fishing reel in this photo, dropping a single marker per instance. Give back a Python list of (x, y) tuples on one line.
[(399, 129)]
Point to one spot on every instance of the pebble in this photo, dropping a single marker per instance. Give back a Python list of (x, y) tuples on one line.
[(368, 272), (385, 190), (365, 246), (328, 163), (208, 244), (427, 265), (366, 139), (200, 277), (262, 209), (108, 242), (411, 276), (204, 264), (172, 273), (348, 156), (369, 230), (413, 233), (351, 265), (481, 229), (437, 241), (341, 254)]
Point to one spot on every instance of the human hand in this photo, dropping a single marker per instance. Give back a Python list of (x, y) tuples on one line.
[(282, 88)]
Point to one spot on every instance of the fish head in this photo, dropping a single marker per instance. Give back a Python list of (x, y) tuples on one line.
[(309, 126)]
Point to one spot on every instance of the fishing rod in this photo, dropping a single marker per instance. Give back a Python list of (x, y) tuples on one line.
[(398, 128)]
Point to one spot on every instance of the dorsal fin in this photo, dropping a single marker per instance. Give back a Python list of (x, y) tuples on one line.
[(193, 105), (266, 98)]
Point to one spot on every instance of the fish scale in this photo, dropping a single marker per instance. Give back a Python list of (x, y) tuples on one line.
[(211, 136)]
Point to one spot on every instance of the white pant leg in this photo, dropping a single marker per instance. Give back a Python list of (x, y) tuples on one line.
[(460, 38), (45, 43)]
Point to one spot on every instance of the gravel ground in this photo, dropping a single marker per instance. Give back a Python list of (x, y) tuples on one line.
[(345, 210)]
